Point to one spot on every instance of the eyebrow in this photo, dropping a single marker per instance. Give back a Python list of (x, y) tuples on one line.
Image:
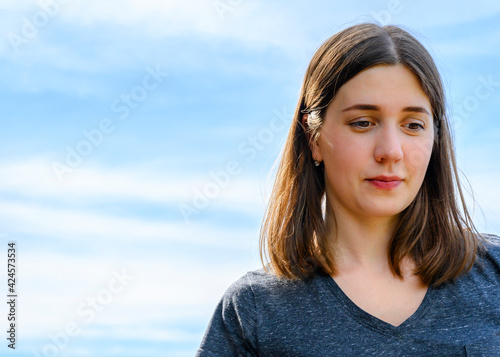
[(414, 109)]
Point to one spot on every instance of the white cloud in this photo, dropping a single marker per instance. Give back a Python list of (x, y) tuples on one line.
[(95, 229), (257, 20), (422, 14), (35, 177), (58, 278), (162, 292), (297, 30), (247, 21), (56, 281), (251, 21)]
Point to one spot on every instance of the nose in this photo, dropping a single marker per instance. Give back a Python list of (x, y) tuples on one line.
[(388, 145)]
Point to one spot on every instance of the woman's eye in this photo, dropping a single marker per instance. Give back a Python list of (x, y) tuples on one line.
[(362, 124), (415, 126)]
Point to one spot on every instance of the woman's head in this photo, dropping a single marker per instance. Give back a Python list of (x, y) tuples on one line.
[(375, 143), (294, 230)]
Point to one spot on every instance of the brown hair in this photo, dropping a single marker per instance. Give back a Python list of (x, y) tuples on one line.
[(442, 241)]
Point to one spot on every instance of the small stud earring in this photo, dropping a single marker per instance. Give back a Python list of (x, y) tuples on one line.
[(316, 162)]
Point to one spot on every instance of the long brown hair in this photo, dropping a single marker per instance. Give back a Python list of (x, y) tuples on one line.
[(441, 238)]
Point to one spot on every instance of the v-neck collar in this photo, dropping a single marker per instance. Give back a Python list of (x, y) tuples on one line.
[(373, 322)]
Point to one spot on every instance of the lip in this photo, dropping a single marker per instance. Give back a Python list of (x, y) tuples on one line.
[(385, 182)]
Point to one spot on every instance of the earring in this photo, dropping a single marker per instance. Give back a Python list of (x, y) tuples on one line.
[(316, 162)]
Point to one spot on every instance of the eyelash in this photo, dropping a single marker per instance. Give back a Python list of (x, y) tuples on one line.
[(356, 125), (420, 126)]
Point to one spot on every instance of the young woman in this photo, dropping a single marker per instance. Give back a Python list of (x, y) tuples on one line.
[(372, 251)]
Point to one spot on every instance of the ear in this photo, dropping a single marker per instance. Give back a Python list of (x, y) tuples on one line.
[(313, 144)]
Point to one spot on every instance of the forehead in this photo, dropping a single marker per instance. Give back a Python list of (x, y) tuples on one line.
[(384, 86)]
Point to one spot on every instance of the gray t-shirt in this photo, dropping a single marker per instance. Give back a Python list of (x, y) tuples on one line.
[(262, 315)]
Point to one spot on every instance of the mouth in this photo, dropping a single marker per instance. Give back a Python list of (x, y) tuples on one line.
[(385, 182)]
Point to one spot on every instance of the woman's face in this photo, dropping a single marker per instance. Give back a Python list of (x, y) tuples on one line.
[(376, 142)]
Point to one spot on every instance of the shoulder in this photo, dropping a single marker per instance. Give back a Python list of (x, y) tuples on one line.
[(259, 282), (492, 249), (492, 239), (259, 287), (488, 259), (251, 307)]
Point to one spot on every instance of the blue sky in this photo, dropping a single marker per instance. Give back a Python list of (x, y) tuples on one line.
[(138, 144)]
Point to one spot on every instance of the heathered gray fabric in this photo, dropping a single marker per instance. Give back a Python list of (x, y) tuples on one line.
[(261, 315)]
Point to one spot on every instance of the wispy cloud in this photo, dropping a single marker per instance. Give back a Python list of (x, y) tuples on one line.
[(157, 297), (35, 179)]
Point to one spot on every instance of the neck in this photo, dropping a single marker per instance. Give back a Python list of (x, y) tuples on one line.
[(360, 242)]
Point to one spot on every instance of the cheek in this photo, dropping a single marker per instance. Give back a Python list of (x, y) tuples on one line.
[(418, 156), (345, 157)]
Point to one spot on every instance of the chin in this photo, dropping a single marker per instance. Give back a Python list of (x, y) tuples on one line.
[(381, 212)]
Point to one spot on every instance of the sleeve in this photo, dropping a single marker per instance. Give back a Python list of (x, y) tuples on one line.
[(232, 328)]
